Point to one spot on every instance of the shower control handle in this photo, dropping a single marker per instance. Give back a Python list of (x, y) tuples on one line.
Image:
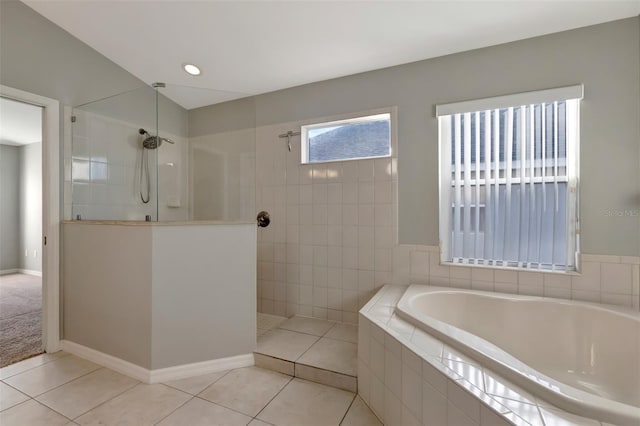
[(263, 219)]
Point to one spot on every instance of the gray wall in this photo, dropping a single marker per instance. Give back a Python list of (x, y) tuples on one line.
[(39, 57), (107, 289), (606, 58), (30, 224), (21, 207), (9, 207)]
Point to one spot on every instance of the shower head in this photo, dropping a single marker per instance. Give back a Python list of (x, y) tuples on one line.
[(153, 142)]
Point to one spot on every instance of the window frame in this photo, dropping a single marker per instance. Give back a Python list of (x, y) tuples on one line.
[(350, 118), (445, 113)]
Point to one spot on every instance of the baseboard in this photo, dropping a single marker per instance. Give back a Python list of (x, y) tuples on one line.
[(197, 368), (8, 271), (30, 272), (106, 360), (159, 375)]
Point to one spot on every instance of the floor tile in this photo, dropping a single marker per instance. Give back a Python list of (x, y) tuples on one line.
[(139, 406), (334, 355), (326, 377), (28, 364), (267, 322), (31, 413), (50, 375), (198, 412), (284, 344), (195, 385), (10, 396), (304, 403), (346, 332), (314, 326), (274, 364), (87, 392), (246, 390), (360, 415), (256, 422)]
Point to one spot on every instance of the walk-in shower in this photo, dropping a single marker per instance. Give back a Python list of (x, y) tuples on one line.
[(130, 158), (139, 154)]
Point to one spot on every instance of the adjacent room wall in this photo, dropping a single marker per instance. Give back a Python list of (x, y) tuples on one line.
[(30, 223), (21, 207), (9, 207)]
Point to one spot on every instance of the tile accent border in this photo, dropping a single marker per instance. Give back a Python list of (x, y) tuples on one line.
[(159, 375)]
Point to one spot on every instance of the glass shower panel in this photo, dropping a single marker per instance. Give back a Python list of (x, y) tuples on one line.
[(109, 179), (173, 158), (222, 155)]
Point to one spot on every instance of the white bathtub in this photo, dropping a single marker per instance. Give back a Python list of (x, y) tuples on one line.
[(581, 357)]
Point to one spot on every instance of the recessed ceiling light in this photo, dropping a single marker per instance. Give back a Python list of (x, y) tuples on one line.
[(191, 69)]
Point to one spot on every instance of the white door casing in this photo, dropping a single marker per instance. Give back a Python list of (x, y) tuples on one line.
[(50, 212)]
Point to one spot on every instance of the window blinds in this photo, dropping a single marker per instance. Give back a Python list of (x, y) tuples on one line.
[(508, 181)]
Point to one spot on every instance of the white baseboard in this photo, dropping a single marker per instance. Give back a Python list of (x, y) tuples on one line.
[(8, 271), (197, 368), (159, 375), (106, 360), (30, 272)]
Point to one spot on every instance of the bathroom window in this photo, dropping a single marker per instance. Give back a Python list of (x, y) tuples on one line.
[(509, 180), (356, 137)]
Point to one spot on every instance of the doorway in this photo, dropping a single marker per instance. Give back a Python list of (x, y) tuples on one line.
[(46, 251), (20, 231)]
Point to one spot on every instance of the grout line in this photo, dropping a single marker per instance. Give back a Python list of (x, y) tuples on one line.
[(223, 406), (274, 397), (67, 382), (178, 407), (113, 397), (49, 408), (35, 366), (308, 349), (205, 388), (349, 408)]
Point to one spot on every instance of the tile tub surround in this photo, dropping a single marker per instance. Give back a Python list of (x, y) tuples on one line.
[(232, 398), (313, 349), (407, 376), (613, 280)]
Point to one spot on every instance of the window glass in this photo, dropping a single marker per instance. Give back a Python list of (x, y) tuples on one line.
[(361, 137)]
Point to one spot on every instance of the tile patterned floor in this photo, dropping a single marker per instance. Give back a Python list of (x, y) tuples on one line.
[(61, 389), (312, 342)]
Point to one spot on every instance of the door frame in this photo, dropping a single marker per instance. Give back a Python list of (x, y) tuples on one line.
[(50, 212)]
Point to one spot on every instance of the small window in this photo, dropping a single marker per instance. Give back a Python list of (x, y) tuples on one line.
[(508, 180), (354, 138)]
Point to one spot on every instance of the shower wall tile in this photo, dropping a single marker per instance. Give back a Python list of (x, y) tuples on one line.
[(334, 228), (102, 169), (338, 235)]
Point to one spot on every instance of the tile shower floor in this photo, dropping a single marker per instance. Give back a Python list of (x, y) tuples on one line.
[(62, 389), (309, 348)]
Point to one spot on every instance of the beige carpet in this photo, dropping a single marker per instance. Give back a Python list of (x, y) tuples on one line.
[(20, 317)]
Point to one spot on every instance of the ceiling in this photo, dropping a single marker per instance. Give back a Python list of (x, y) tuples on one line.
[(21, 123), (252, 47)]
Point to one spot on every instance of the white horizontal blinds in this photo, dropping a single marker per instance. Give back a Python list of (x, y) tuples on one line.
[(510, 175)]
